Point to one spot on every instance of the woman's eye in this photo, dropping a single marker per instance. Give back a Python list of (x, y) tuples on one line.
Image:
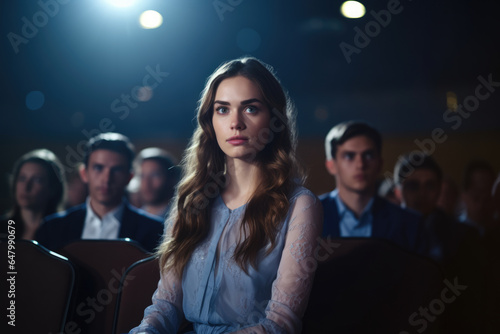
[(251, 109), (221, 110)]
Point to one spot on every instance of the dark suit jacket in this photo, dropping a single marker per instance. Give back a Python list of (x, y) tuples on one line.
[(62, 228), (390, 222)]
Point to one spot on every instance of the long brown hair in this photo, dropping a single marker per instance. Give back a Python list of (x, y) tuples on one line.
[(203, 173)]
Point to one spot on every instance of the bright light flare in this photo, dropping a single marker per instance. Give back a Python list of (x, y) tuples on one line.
[(150, 19), (353, 9), (121, 3)]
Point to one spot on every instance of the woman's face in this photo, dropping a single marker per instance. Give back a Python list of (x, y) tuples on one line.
[(240, 118), (32, 189)]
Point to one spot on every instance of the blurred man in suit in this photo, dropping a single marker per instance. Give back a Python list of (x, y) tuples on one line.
[(418, 186), (106, 214), (454, 246), (353, 157), (477, 183), (158, 175)]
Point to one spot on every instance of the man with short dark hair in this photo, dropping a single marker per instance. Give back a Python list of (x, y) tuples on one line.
[(353, 157), (106, 214), (418, 182), (477, 185), (418, 185), (456, 247), (158, 175)]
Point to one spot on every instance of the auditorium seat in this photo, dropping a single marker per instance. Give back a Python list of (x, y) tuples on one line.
[(137, 287), (141, 280), (100, 266), (371, 286), (42, 288)]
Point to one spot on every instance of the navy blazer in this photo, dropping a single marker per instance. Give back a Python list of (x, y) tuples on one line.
[(62, 228), (390, 222)]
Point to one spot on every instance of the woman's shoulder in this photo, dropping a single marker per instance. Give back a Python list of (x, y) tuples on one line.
[(303, 193), (305, 209)]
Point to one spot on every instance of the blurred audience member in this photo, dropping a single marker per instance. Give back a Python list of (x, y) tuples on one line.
[(77, 189), (106, 214), (158, 176), (418, 185), (418, 182), (37, 186), (353, 157), (133, 195), (456, 247), (477, 198), (449, 198), (386, 190)]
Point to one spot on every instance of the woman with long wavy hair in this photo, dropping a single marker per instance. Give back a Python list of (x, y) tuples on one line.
[(237, 255)]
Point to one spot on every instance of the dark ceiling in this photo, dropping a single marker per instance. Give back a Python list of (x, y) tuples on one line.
[(86, 57)]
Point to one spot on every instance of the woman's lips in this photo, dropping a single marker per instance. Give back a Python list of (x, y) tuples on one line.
[(237, 140)]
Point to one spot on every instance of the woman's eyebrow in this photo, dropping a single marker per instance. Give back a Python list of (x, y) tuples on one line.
[(251, 101), (242, 102), (222, 102)]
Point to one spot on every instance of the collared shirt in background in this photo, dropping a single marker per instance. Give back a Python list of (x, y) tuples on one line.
[(106, 227), (350, 225)]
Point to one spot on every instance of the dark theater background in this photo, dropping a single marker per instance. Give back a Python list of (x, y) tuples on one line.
[(74, 68)]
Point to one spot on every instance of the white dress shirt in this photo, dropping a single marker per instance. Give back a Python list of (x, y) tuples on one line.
[(106, 227)]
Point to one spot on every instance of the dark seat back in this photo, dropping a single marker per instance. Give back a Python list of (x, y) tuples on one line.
[(138, 285), (100, 266), (371, 286), (40, 285)]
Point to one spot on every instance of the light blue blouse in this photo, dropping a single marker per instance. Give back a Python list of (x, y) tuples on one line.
[(217, 296)]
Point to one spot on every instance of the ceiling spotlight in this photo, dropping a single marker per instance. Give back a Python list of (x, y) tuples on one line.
[(353, 9), (150, 19)]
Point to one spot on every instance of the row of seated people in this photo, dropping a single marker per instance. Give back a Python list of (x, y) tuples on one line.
[(104, 213), (466, 251), (38, 187), (353, 157)]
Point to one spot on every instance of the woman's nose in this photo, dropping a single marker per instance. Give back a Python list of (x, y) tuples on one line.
[(237, 122)]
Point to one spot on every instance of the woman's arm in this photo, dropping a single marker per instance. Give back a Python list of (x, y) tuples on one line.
[(290, 292), (165, 314)]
